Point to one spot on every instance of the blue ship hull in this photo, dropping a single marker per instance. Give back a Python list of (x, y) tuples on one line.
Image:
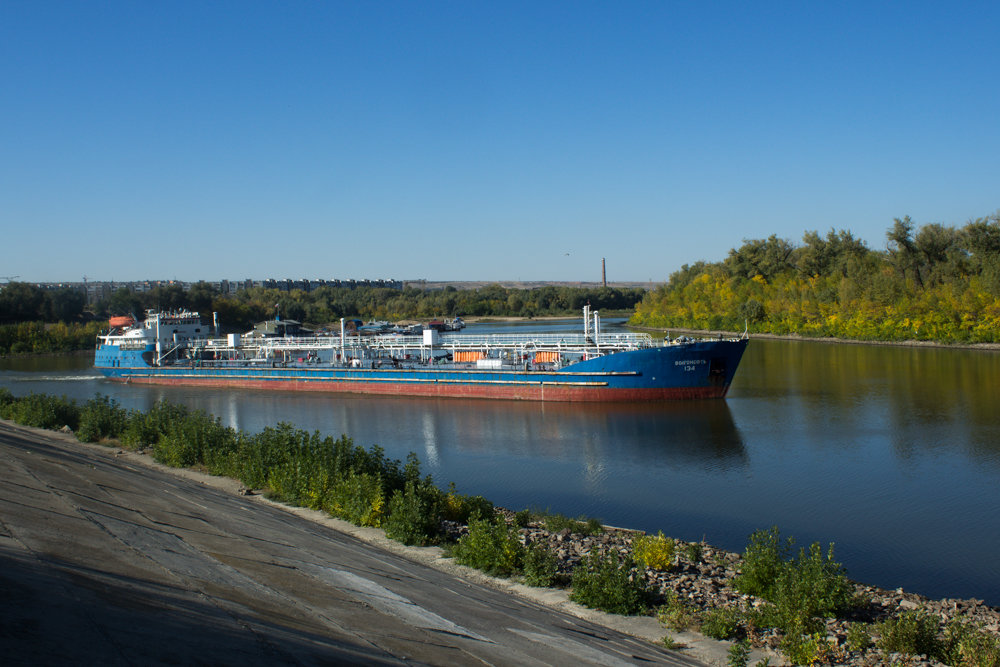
[(698, 369)]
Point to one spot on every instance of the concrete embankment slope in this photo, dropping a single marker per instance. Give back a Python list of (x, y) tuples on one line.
[(107, 558)]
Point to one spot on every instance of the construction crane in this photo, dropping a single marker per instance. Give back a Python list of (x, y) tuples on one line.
[(8, 278)]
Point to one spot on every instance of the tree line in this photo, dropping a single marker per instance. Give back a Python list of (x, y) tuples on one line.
[(934, 283), (37, 320)]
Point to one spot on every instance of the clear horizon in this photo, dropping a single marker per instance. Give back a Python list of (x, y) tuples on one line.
[(472, 141)]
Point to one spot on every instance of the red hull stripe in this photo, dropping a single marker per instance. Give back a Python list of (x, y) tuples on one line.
[(597, 392)]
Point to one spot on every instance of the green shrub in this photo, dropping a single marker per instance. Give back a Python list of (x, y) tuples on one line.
[(358, 498), (187, 439), (492, 546), (654, 551), (911, 632), (721, 623), (164, 414), (522, 518), (967, 645), (801, 589), (761, 617), (609, 582), (261, 453), (6, 398), (138, 431), (694, 551), (414, 515), (812, 585), (145, 429), (555, 523), (739, 654), (43, 411), (221, 453), (541, 566), (101, 417), (859, 636), (763, 561), (676, 614), (460, 508), (805, 649)]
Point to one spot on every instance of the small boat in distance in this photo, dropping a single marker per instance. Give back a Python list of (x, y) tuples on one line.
[(175, 348)]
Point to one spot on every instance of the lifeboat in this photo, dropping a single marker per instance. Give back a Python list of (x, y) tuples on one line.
[(122, 321)]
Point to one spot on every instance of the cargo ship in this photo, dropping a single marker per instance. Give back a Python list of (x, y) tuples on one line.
[(176, 348)]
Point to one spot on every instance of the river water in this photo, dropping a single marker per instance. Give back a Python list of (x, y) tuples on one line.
[(893, 453)]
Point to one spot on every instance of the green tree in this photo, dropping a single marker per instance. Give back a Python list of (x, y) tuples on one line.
[(760, 257), (833, 254), (167, 297), (940, 254), (200, 297), (981, 243), (125, 302), (65, 304), (903, 249), (21, 302)]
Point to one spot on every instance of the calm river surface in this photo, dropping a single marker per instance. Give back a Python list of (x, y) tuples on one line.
[(892, 453)]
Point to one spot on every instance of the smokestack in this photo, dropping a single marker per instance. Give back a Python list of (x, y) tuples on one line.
[(604, 273)]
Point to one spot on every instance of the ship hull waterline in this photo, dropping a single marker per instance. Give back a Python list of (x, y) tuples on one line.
[(536, 392)]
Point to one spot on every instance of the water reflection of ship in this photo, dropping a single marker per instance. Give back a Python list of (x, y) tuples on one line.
[(691, 434), (694, 433)]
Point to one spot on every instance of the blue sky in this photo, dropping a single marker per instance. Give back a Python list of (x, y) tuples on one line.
[(480, 141)]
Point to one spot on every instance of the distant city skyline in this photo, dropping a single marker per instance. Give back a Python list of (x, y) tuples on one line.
[(478, 141)]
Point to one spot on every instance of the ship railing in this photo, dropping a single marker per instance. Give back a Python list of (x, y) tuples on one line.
[(562, 343), (607, 343), (301, 343), (616, 341)]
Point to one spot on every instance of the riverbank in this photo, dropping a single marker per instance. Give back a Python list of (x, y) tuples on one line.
[(696, 585), (701, 579), (669, 333)]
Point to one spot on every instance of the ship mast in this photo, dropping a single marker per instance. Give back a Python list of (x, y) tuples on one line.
[(157, 338)]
